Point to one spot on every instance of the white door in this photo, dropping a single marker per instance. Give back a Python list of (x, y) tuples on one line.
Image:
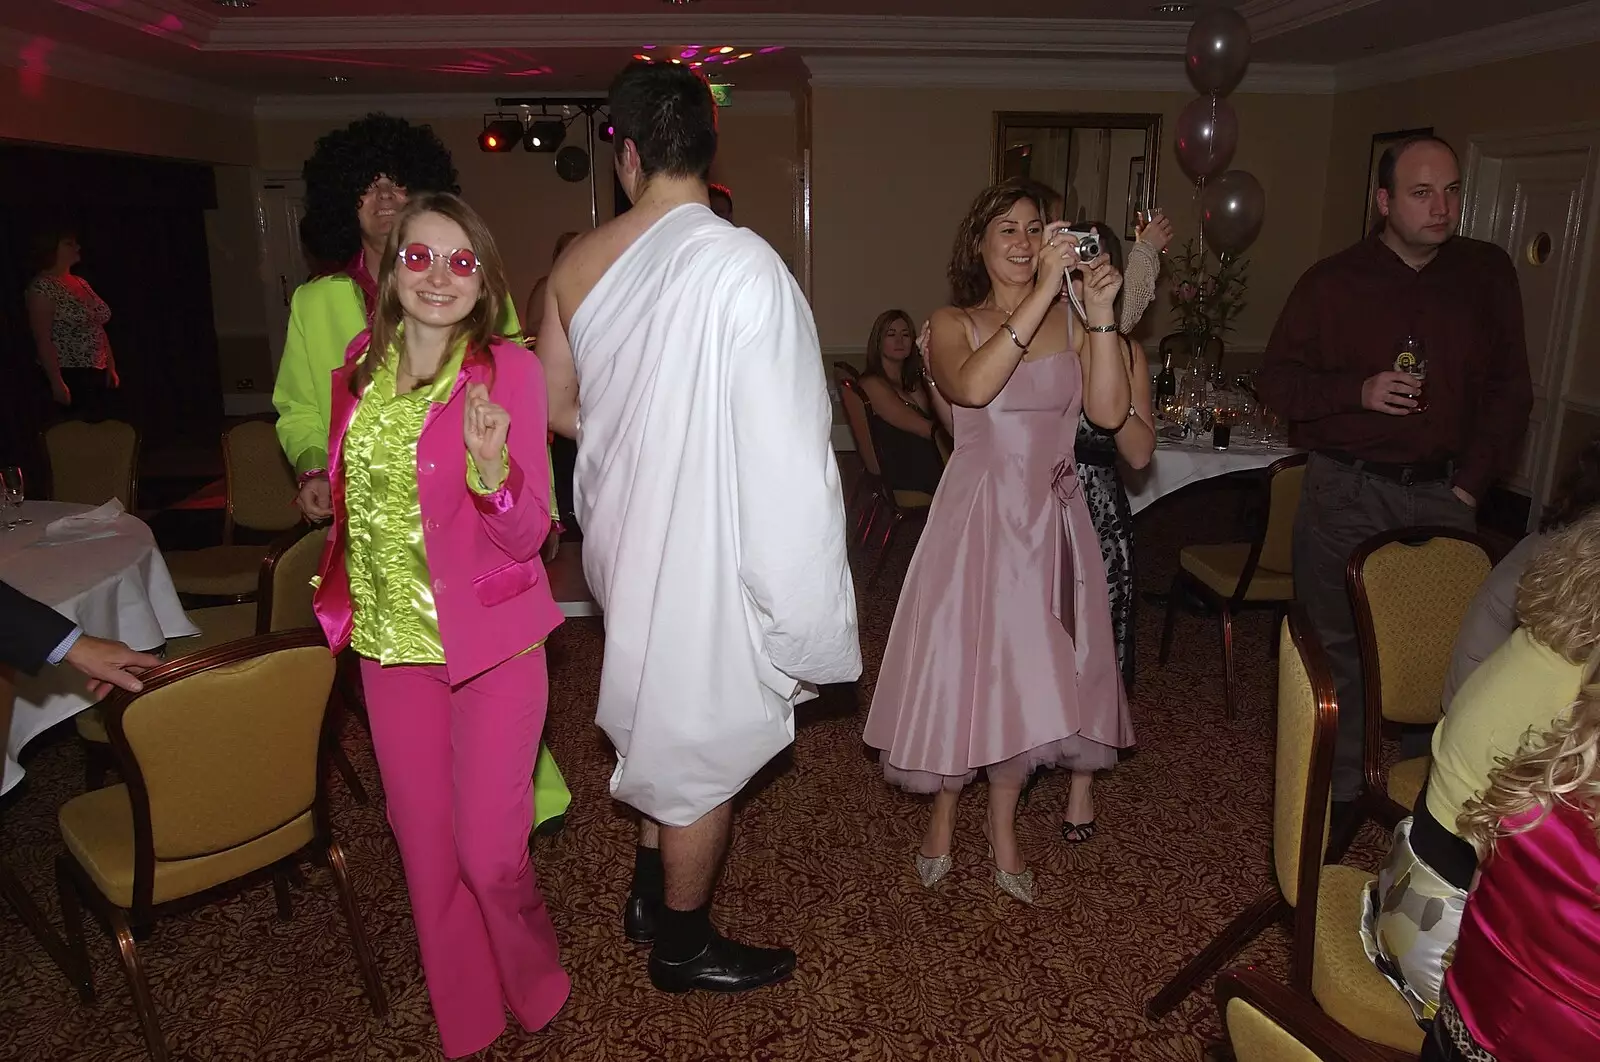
[(1529, 194), (280, 203)]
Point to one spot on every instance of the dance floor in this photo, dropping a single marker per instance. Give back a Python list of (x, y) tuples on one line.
[(822, 860)]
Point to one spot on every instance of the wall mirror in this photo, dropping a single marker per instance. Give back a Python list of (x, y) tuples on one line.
[(1104, 165)]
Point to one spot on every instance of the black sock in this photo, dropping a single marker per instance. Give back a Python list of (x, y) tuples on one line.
[(682, 935), (649, 877)]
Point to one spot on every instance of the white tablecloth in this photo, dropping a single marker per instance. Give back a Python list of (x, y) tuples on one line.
[(1176, 465), (115, 587)]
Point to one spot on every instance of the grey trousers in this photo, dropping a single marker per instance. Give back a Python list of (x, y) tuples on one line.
[(1340, 508)]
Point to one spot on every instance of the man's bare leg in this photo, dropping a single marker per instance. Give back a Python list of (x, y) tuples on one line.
[(648, 891), (688, 952)]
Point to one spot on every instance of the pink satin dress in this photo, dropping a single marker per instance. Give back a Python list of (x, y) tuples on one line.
[(1526, 974), (1001, 655)]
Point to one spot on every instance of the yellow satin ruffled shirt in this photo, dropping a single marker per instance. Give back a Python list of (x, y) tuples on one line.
[(396, 620)]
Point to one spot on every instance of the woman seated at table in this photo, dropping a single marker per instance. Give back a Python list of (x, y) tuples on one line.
[(901, 413), (1414, 909), (1524, 985), (1492, 616)]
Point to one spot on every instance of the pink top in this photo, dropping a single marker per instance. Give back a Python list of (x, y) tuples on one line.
[(1526, 975)]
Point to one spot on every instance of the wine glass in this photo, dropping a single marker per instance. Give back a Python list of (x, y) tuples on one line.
[(12, 485)]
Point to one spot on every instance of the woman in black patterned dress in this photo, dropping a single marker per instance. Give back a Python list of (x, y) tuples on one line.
[(1097, 453)]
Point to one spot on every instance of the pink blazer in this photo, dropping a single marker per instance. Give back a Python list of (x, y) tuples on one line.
[(489, 584)]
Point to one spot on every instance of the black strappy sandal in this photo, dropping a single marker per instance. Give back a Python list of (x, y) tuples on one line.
[(1077, 832)]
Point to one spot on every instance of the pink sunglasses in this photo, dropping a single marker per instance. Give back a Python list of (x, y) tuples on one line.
[(419, 258)]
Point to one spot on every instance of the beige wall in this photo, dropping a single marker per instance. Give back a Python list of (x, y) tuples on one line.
[(894, 169), (54, 111)]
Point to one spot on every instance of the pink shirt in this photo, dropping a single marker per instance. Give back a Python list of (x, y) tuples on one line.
[(1526, 975)]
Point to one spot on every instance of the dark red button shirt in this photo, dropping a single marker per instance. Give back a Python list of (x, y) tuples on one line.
[(1345, 321)]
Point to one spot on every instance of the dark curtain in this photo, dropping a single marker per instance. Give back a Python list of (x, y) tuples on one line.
[(141, 223)]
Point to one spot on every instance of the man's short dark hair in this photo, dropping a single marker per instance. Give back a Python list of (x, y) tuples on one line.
[(667, 111), (1391, 156)]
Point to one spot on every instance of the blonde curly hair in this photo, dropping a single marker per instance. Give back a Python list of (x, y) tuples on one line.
[(1558, 599), (1561, 765)]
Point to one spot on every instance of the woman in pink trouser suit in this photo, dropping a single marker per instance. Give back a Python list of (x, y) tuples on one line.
[(432, 573)]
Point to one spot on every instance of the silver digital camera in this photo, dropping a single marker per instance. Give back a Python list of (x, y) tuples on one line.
[(1088, 241)]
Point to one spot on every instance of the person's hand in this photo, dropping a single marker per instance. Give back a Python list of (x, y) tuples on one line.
[(60, 391), (484, 428), (552, 544), (113, 381), (1056, 255), (1466, 499), (1157, 232), (1101, 282), (316, 498), (109, 664), (1390, 392)]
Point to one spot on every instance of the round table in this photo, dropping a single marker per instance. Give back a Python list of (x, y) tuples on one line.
[(114, 585), (1175, 465)]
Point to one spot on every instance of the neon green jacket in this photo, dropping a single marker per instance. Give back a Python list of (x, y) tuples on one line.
[(324, 316)]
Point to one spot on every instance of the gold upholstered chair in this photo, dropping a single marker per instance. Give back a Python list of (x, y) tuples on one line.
[(261, 496), (1267, 1022), (1231, 576), (1321, 901), (896, 506), (92, 463), (1409, 589), (282, 603), (221, 756)]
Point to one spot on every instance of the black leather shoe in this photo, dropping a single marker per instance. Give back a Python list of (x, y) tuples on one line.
[(639, 919), (724, 966)]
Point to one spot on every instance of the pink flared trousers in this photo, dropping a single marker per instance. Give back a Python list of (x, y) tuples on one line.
[(457, 769)]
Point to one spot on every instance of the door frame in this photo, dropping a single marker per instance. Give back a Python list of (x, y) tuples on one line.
[(1478, 220), (271, 293)]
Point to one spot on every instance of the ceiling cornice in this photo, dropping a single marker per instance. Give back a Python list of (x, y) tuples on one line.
[(1273, 18), (425, 105), (831, 32), (71, 63), (1566, 27), (1127, 75)]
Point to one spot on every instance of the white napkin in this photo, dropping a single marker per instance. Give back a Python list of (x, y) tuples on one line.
[(96, 523)]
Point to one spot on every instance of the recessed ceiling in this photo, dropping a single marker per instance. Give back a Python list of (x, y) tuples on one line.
[(296, 46)]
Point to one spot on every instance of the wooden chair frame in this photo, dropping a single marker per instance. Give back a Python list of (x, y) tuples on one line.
[(881, 499), (1272, 906), (133, 468), (1226, 607), (1374, 801), (74, 885), (1297, 1016)]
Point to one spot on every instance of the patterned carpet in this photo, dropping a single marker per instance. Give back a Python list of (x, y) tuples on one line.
[(821, 860)]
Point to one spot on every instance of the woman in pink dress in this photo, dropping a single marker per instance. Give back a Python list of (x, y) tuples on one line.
[(1524, 985), (1001, 656)]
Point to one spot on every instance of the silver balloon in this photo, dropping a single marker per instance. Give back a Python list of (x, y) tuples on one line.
[(1232, 208), (1218, 50), (1207, 133)]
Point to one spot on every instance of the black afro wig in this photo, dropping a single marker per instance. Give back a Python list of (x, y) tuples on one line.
[(347, 161)]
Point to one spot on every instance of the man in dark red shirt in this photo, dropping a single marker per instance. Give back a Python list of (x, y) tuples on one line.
[(1390, 449)]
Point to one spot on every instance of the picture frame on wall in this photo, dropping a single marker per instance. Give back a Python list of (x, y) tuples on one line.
[(1136, 194), (1380, 143)]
